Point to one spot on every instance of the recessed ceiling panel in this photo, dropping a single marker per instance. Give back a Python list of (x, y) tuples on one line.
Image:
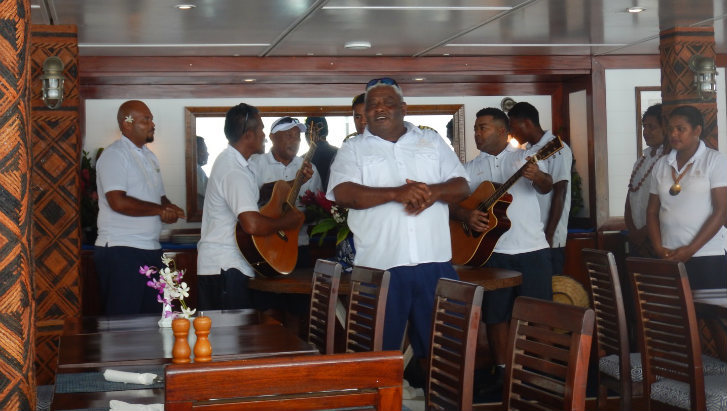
[(394, 28), (156, 27), (564, 27)]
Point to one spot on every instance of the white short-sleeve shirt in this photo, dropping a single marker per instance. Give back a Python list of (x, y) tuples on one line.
[(125, 167), (559, 167), (267, 169), (681, 216), (639, 199), (526, 229), (386, 236), (231, 190)]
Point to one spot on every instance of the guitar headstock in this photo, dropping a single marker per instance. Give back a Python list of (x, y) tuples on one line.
[(314, 133), (552, 147)]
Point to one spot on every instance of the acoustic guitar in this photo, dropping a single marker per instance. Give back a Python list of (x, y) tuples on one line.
[(277, 253), (474, 248)]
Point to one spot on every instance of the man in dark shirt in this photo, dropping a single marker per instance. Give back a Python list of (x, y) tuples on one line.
[(325, 153)]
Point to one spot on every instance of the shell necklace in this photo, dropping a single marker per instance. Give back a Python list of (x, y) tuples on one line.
[(636, 188), (676, 188)]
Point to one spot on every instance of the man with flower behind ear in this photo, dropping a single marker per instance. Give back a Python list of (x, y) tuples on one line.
[(397, 179), (232, 196), (132, 208)]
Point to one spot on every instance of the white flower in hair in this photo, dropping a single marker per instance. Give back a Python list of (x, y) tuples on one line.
[(129, 119)]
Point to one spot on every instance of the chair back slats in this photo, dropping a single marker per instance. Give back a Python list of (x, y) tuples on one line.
[(324, 294), (668, 331), (366, 309), (455, 322), (548, 352), (611, 327), (305, 382)]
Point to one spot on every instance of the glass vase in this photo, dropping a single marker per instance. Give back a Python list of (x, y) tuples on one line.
[(345, 253)]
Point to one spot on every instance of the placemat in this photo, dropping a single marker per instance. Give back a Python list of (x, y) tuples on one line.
[(95, 382)]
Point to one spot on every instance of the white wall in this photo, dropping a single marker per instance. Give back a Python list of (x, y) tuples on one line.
[(621, 124), (102, 129)]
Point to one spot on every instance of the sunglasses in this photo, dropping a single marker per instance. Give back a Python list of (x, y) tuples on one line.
[(244, 125), (286, 120), (387, 81)]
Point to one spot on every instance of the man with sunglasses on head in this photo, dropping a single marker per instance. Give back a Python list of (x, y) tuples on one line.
[(282, 163), (232, 197), (397, 180)]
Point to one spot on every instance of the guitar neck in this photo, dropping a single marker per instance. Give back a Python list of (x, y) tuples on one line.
[(500, 191), (298, 182)]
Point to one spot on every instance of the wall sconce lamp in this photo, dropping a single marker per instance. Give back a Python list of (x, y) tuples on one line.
[(705, 73), (52, 82)]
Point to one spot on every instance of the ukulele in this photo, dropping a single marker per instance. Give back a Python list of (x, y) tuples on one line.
[(276, 254), (474, 248)]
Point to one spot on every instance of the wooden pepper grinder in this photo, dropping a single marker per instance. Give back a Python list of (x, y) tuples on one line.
[(180, 351), (202, 348)]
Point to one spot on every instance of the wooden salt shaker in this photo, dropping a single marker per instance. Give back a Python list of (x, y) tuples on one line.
[(202, 348), (181, 350)]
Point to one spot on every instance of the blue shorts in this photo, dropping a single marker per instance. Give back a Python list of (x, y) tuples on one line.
[(536, 269)]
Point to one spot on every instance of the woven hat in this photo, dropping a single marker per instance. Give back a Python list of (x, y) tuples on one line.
[(567, 290)]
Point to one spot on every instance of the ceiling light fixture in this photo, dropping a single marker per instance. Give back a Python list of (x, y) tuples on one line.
[(249, 80), (185, 6), (357, 45), (635, 9), (419, 78)]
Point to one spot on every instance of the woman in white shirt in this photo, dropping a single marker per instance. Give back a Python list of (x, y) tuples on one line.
[(688, 202), (638, 195)]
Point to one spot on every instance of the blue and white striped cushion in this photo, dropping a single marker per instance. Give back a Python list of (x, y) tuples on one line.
[(676, 393), (609, 366)]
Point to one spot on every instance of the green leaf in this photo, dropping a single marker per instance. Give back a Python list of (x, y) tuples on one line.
[(323, 226), (342, 234)]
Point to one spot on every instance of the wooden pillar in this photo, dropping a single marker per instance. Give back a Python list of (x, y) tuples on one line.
[(56, 146), (677, 46), (17, 307)]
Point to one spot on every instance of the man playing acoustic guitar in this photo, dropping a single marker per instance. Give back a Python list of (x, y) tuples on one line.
[(523, 247), (397, 179), (232, 197), (282, 163)]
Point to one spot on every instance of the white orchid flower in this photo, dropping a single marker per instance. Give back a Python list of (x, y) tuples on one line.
[(166, 260), (188, 312)]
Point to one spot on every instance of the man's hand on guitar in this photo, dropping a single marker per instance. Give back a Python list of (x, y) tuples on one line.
[(530, 171), (478, 221), (307, 171), (415, 196), (291, 220)]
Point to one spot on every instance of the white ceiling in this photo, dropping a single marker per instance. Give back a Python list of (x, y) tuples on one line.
[(416, 28)]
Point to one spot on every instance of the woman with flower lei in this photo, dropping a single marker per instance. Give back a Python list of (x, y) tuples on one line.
[(638, 194), (170, 286)]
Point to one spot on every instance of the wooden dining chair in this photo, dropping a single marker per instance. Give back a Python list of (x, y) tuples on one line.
[(676, 375), (548, 351), (306, 382), (618, 369), (366, 309), (453, 345), (324, 294)]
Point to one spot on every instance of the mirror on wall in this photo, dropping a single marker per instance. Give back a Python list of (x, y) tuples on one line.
[(204, 136)]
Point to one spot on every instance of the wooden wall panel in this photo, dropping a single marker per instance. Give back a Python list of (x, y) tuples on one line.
[(17, 309), (56, 146)]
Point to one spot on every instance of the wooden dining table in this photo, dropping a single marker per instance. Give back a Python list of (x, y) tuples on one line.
[(104, 343), (300, 281)]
